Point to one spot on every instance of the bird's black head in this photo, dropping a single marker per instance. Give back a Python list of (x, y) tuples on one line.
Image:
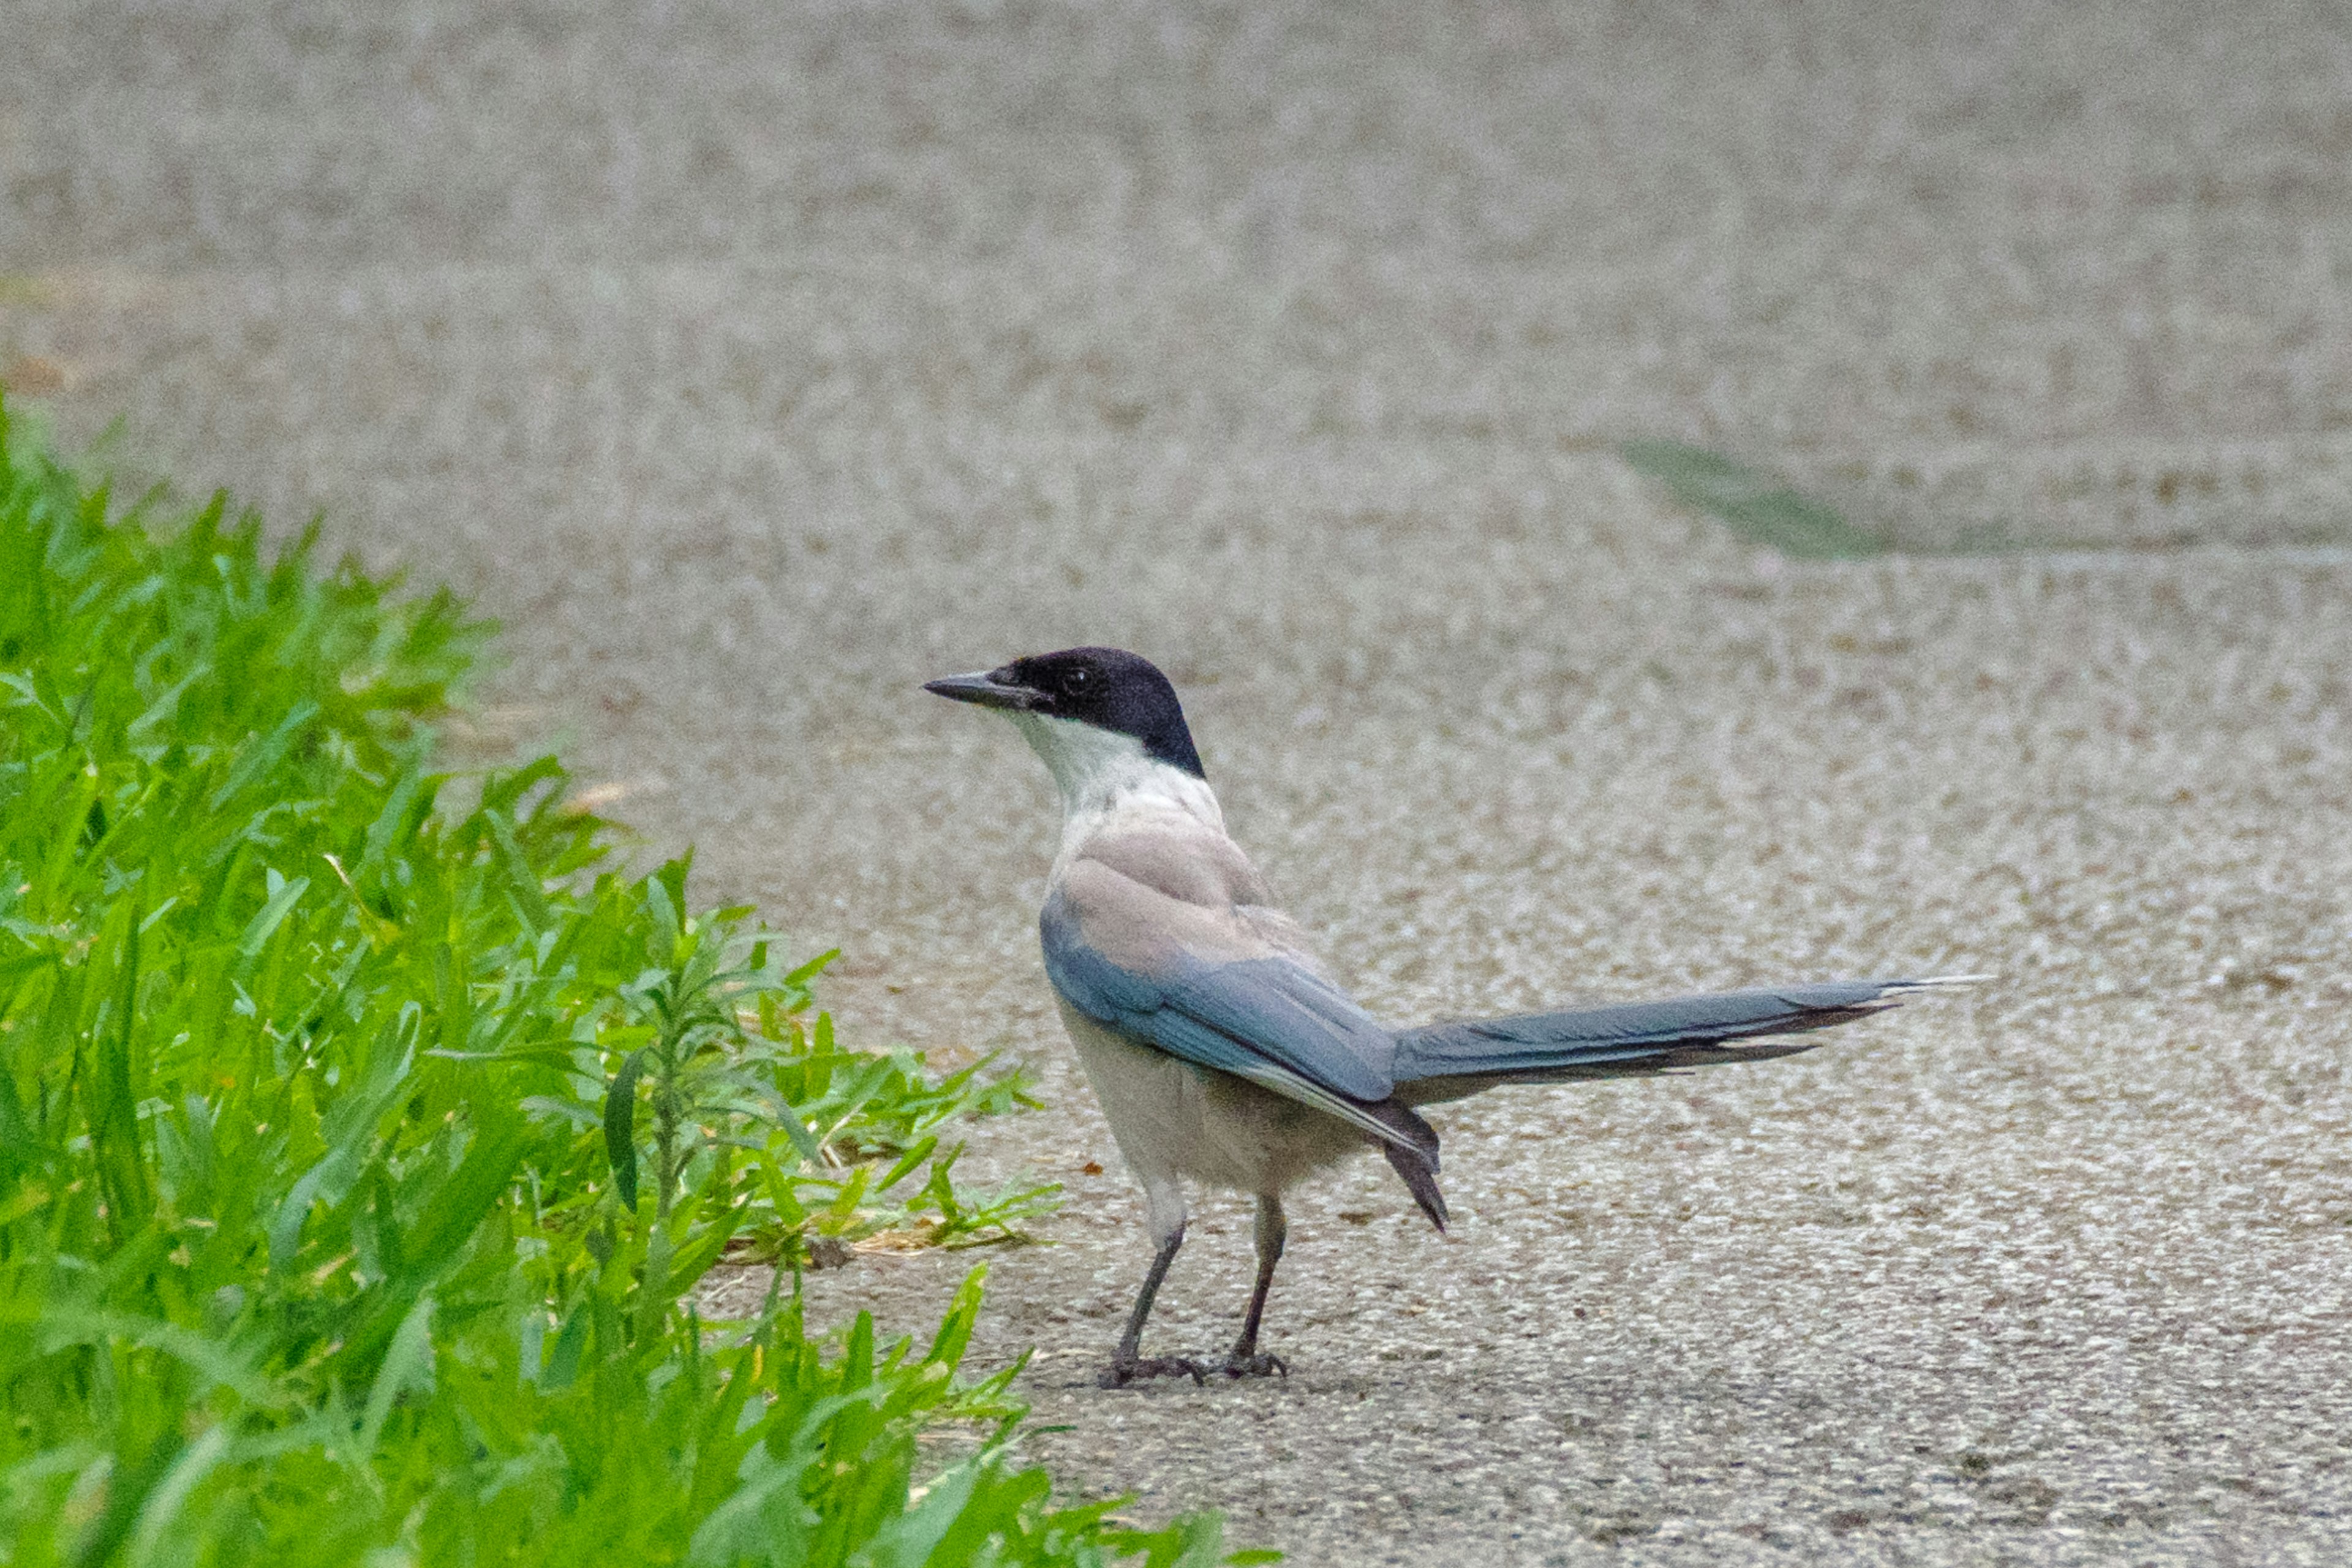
[(1111, 689)]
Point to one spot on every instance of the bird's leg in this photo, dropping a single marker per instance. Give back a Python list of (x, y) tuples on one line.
[(1247, 1359), (1129, 1363)]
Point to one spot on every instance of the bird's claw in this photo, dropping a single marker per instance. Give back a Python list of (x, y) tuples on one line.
[(1134, 1369), (1261, 1364), (1120, 1373)]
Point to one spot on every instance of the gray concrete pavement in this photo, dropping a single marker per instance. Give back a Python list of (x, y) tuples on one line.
[(754, 363)]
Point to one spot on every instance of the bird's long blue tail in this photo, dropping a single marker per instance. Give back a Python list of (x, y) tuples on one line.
[(1442, 1061)]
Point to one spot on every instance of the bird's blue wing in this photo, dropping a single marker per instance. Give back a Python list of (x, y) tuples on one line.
[(1268, 1018)]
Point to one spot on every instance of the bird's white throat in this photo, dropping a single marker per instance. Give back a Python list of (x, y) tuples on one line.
[(1102, 774)]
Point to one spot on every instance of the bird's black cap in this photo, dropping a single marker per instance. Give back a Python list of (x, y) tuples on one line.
[(1104, 687)]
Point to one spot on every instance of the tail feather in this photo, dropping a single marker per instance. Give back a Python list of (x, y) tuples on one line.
[(1419, 1174), (1413, 1152), (1639, 1038)]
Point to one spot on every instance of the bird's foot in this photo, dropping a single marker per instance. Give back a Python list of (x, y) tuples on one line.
[(1259, 1364), (1135, 1369)]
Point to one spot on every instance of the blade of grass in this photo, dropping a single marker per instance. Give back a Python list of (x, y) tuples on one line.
[(1755, 505)]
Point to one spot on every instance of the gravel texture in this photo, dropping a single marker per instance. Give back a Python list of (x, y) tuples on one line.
[(754, 363)]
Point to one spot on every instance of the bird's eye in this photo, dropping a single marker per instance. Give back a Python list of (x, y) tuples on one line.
[(1076, 681)]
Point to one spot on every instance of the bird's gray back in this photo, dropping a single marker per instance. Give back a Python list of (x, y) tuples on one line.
[(1162, 929)]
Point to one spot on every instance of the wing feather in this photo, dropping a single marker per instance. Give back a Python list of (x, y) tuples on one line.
[(1129, 957)]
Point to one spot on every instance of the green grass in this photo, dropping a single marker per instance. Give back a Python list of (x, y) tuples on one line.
[(365, 1130), (1756, 505)]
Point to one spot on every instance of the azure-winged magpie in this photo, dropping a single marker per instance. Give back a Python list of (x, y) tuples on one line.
[(1218, 1048)]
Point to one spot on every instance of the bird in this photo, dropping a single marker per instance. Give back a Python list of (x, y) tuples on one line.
[(1219, 1048)]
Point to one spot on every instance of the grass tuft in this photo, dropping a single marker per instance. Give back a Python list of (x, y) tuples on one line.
[(1756, 505), (363, 1137)]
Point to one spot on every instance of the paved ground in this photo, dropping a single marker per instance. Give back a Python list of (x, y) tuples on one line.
[(754, 363)]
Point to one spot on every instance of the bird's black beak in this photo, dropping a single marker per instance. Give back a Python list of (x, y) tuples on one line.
[(988, 689)]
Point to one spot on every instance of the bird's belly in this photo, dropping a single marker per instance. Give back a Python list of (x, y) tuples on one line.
[(1173, 1119)]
